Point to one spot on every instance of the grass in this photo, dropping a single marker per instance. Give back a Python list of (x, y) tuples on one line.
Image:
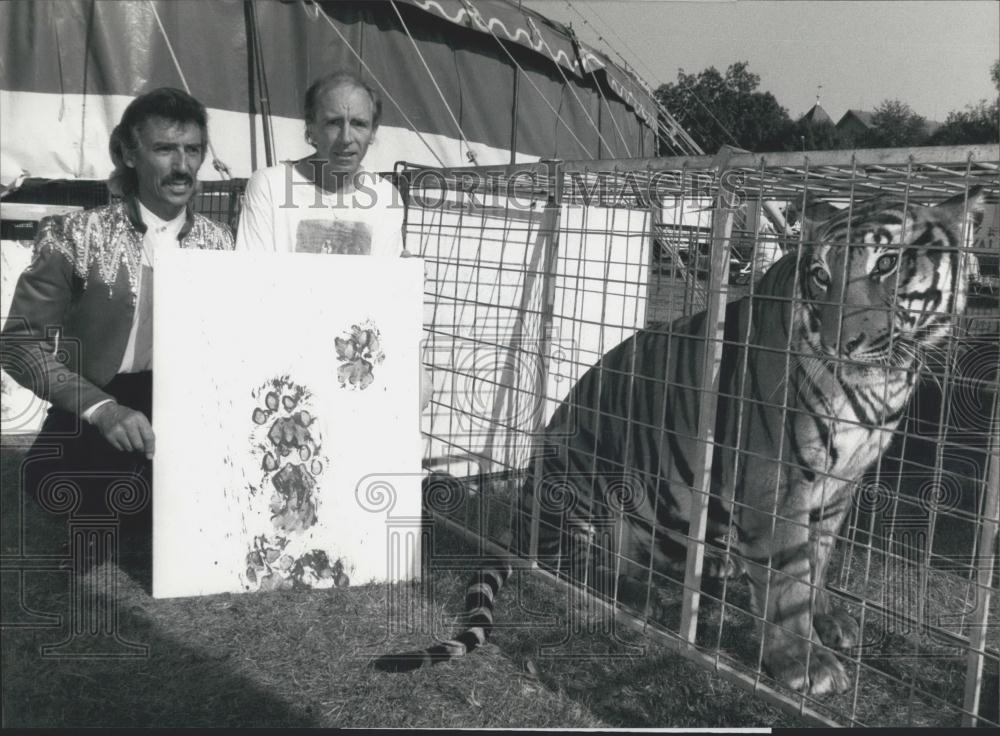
[(302, 657)]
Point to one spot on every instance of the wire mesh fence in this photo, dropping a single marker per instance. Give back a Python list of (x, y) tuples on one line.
[(749, 402), (620, 465)]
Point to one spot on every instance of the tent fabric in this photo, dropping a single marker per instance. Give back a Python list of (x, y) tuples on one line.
[(516, 25), (68, 68), (532, 30)]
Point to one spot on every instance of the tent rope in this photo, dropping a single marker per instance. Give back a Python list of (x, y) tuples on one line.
[(672, 131), (469, 153), (600, 92), (472, 9), (217, 163), (576, 97), (611, 114), (381, 86)]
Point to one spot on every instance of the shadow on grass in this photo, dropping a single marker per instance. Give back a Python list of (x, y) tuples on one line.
[(92, 650), (173, 684)]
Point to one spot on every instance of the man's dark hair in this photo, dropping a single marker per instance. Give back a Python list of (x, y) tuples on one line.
[(167, 103), (335, 79)]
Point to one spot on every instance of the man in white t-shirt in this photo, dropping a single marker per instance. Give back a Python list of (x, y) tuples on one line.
[(285, 212), (327, 202)]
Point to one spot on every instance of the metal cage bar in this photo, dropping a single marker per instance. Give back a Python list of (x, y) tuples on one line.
[(908, 564), (722, 227), (987, 543)]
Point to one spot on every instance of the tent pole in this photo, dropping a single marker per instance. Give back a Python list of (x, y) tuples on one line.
[(251, 86), (513, 120), (258, 59), (600, 122)]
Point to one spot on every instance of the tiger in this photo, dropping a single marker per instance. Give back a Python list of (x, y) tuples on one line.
[(817, 367)]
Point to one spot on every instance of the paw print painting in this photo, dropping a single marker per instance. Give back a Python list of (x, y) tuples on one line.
[(286, 441), (265, 562), (359, 351), (289, 453), (315, 570), (272, 566)]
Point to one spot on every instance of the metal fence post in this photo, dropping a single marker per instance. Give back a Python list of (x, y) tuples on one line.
[(718, 286), (984, 576), (551, 219)]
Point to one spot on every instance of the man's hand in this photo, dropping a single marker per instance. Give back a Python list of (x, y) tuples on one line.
[(125, 429)]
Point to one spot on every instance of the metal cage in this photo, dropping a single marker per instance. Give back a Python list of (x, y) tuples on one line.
[(535, 272)]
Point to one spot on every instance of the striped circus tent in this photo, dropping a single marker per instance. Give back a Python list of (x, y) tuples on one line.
[(463, 81), (483, 82)]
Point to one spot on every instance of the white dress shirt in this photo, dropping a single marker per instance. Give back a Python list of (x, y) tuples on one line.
[(159, 234)]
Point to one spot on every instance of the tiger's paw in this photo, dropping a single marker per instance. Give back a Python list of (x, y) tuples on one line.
[(837, 629), (825, 675)]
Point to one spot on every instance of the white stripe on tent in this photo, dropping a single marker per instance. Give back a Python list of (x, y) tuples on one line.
[(28, 117)]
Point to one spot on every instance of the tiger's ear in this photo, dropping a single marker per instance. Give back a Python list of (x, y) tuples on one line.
[(815, 214), (964, 207), (804, 206)]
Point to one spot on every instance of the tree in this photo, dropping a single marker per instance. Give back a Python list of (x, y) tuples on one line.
[(719, 109), (895, 124), (975, 124), (978, 123)]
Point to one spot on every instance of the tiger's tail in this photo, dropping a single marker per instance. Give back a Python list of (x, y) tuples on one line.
[(479, 597)]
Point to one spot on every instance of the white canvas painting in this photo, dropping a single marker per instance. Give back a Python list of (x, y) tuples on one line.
[(286, 413)]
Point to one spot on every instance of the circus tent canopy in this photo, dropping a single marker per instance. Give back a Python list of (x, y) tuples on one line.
[(462, 81)]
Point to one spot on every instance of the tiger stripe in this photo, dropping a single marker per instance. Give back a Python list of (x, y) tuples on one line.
[(838, 329)]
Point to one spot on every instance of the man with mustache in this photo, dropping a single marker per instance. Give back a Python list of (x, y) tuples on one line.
[(79, 330)]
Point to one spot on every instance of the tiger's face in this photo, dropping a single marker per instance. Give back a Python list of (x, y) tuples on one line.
[(883, 281)]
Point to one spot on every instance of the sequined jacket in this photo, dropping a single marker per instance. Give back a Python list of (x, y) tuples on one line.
[(72, 310)]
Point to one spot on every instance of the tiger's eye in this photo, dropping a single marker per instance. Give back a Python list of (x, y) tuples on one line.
[(821, 277), (886, 263)]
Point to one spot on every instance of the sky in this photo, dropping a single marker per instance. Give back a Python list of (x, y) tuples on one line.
[(934, 55)]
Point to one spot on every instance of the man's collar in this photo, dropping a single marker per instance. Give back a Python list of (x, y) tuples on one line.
[(135, 217)]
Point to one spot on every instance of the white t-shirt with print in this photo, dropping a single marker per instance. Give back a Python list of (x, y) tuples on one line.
[(285, 212)]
